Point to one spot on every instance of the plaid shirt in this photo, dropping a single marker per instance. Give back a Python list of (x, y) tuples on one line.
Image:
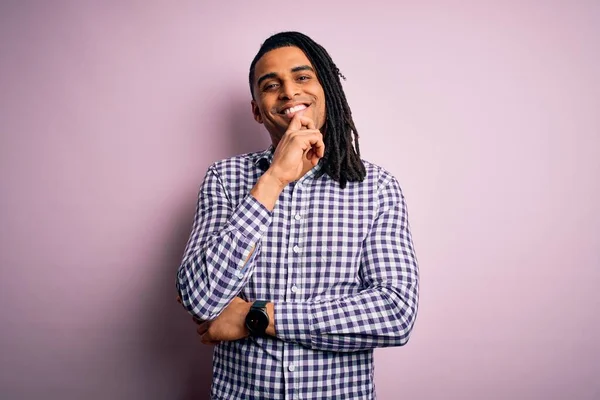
[(338, 264)]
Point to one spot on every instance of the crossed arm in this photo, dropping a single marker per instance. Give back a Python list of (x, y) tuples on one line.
[(221, 257)]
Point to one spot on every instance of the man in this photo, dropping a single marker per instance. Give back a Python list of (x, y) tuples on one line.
[(300, 260)]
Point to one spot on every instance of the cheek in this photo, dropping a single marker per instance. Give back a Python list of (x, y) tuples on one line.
[(270, 113), (323, 102), (323, 109)]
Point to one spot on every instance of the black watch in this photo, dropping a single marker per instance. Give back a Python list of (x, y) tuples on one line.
[(257, 319)]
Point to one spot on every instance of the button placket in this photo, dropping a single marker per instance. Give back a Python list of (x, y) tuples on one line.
[(296, 253)]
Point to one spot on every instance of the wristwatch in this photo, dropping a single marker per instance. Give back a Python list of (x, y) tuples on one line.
[(257, 319)]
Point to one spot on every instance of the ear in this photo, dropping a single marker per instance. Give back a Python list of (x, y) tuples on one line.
[(256, 112)]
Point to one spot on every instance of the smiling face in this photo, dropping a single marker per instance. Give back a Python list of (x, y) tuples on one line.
[(285, 82)]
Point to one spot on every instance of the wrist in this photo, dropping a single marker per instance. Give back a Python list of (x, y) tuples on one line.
[(257, 320), (271, 177), (245, 309), (271, 313), (267, 189), (260, 318)]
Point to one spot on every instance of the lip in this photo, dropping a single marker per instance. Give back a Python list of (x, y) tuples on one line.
[(290, 105)]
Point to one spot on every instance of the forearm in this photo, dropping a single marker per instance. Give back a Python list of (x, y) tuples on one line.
[(267, 190), (212, 274), (220, 255), (206, 288), (216, 268), (375, 317)]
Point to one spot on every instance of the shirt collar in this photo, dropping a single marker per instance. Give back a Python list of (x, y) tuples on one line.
[(264, 158)]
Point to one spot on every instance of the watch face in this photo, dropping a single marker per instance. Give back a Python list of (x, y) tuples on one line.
[(257, 321)]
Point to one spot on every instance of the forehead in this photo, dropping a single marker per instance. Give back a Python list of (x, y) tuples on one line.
[(280, 61)]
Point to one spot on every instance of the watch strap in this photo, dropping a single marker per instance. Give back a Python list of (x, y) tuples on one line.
[(259, 304)]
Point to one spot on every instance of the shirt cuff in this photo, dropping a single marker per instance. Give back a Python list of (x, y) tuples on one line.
[(293, 322), (251, 219)]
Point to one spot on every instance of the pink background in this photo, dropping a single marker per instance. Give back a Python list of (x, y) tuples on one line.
[(488, 114)]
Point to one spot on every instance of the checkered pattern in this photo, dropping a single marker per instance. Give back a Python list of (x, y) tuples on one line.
[(338, 264)]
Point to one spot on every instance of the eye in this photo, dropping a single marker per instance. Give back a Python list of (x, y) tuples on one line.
[(269, 86), (303, 78)]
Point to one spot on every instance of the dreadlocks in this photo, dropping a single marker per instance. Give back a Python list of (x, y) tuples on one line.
[(341, 160)]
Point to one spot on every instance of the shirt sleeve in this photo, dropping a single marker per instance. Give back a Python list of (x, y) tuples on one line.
[(216, 263), (381, 314)]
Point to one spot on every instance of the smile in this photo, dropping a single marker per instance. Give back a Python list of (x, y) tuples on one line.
[(294, 109), (288, 113)]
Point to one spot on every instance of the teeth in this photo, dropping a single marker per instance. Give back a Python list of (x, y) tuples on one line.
[(294, 109)]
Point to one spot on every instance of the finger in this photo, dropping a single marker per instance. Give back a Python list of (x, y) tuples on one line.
[(210, 343), (307, 137), (295, 123), (301, 122), (307, 122), (305, 132), (202, 328), (197, 320), (208, 340), (313, 157), (310, 139), (319, 148), (316, 151)]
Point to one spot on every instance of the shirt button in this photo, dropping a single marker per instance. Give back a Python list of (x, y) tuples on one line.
[(262, 228), (296, 249), (297, 217), (294, 289), (239, 274), (291, 367)]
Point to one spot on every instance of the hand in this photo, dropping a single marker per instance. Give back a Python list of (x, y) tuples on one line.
[(301, 142), (228, 326)]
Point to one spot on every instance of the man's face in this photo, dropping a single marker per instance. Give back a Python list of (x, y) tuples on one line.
[(285, 82)]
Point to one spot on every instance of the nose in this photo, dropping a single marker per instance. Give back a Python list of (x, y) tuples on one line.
[(289, 90)]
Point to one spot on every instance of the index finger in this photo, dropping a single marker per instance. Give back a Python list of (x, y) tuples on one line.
[(299, 121), (307, 122)]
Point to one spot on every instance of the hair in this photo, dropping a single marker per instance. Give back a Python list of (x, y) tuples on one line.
[(342, 160)]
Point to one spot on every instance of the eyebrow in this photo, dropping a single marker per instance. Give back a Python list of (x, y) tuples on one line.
[(274, 75)]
